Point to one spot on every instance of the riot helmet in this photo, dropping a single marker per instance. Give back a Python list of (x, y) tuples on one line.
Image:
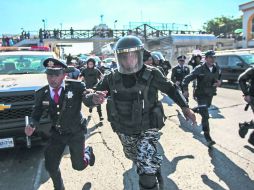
[(129, 54), (156, 59), (159, 54)]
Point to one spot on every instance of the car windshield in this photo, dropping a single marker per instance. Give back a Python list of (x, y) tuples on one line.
[(22, 64), (249, 59)]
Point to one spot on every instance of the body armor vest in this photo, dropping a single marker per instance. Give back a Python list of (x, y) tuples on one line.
[(129, 109)]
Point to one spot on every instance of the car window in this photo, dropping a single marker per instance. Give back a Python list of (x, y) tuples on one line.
[(249, 59), (22, 64), (222, 61), (233, 61)]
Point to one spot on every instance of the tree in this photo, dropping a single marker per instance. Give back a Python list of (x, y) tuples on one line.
[(221, 26)]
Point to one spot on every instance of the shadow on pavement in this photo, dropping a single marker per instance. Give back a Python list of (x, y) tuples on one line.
[(19, 167), (214, 112), (249, 148), (211, 183), (168, 167), (232, 175), (87, 186)]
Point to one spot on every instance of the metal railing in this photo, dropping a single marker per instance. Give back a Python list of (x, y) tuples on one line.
[(143, 31)]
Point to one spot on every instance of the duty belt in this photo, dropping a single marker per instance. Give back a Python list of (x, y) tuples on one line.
[(59, 130)]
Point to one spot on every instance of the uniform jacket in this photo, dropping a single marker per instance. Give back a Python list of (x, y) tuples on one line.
[(205, 79), (71, 117), (179, 73), (91, 75)]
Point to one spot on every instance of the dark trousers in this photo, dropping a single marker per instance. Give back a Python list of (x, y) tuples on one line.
[(98, 110), (205, 100), (54, 152)]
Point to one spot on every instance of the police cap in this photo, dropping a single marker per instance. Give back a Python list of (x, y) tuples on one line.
[(54, 66), (181, 58), (210, 53)]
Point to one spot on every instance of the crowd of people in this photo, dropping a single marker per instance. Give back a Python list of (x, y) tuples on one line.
[(134, 111)]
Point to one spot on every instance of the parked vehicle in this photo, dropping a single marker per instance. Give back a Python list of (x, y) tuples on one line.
[(233, 64), (21, 74)]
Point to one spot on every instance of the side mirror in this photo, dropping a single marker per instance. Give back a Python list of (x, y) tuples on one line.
[(240, 64)]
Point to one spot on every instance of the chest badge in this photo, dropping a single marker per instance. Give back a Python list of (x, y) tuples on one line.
[(69, 94), (45, 103)]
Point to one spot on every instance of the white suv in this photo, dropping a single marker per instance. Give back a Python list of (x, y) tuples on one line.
[(21, 74)]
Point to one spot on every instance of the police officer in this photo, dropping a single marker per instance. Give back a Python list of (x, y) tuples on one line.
[(246, 82), (133, 108), (208, 79), (155, 62), (163, 63), (74, 72), (62, 100), (195, 60), (91, 75), (180, 71)]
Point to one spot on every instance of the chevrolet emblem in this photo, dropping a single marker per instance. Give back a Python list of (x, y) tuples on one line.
[(3, 107)]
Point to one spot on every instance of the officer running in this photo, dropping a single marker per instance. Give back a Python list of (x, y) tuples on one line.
[(62, 99), (246, 82), (91, 75), (208, 76), (134, 111)]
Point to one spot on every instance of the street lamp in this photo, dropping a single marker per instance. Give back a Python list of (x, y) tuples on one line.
[(43, 20), (61, 26), (115, 24)]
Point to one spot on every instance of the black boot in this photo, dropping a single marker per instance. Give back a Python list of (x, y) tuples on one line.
[(243, 129), (251, 138), (160, 179), (209, 140), (148, 182), (100, 114)]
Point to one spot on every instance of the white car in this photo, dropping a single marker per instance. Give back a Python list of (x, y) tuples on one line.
[(21, 74)]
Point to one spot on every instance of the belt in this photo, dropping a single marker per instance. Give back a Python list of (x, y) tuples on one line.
[(59, 130)]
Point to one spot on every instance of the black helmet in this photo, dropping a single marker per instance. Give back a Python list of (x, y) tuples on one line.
[(159, 54), (129, 54), (210, 53)]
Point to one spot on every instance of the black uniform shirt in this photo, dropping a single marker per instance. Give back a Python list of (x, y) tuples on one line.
[(205, 79), (179, 72), (71, 117), (91, 75)]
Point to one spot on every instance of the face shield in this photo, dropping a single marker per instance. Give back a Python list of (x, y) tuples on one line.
[(129, 62)]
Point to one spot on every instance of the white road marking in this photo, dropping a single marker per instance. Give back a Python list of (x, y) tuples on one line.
[(38, 175)]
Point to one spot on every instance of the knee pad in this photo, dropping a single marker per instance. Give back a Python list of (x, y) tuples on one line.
[(148, 181)]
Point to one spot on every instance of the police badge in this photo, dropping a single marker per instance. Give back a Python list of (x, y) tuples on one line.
[(69, 94)]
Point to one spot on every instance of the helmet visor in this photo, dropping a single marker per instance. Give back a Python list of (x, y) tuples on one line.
[(129, 62)]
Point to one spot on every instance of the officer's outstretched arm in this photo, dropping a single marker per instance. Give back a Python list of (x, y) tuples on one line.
[(98, 97)]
